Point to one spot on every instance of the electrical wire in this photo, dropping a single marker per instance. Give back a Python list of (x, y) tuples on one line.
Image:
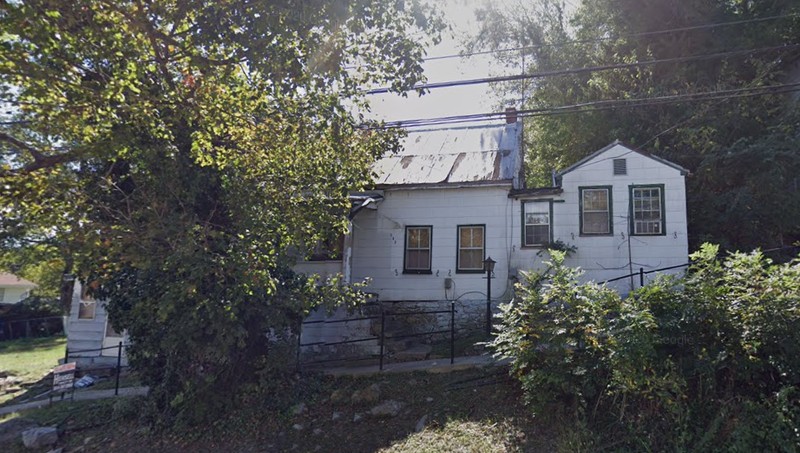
[(562, 72), (601, 39), (594, 106)]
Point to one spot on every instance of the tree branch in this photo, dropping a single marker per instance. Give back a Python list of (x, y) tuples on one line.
[(40, 159)]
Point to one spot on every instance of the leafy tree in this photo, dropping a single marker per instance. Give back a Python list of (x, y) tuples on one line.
[(179, 150), (742, 151)]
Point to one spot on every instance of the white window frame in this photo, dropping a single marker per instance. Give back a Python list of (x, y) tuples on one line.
[(609, 210), (542, 207), (644, 227), (460, 248)]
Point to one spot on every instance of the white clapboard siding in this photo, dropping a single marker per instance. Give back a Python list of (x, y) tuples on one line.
[(607, 257), (379, 241)]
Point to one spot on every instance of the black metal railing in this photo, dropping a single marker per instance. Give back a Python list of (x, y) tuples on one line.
[(641, 273), (444, 326), (117, 369)]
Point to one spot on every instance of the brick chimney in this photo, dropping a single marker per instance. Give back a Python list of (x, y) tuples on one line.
[(511, 115)]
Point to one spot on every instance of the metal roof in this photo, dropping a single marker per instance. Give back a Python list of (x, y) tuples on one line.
[(10, 280), (474, 154)]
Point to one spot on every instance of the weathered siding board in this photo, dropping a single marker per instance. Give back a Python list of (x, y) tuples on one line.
[(379, 241)]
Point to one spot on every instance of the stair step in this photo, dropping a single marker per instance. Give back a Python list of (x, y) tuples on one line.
[(415, 352)]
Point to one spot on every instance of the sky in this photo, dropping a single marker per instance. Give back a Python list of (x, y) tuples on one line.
[(460, 14)]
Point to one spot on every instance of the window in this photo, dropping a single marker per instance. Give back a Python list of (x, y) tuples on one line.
[(87, 305), (647, 210), (86, 309), (470, 248), (536, 217), (595, 210), (417, 259), (329, 249)]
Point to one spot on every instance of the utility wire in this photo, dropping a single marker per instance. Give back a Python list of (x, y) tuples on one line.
[(602, 39), (561, 72), (594, 106)]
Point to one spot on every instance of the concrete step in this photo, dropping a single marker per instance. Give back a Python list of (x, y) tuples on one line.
[(414, 352)]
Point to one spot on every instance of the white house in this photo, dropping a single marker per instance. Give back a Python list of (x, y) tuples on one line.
[(91, 339), (14, 289), (455, 196)]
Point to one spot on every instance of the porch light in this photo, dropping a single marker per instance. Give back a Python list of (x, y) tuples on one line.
[(488, 265)]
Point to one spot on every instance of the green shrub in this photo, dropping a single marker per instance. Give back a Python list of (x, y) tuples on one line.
[(711, 358)]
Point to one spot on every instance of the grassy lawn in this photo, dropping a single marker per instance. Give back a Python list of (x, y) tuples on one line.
[(476, 410), (30, 359)]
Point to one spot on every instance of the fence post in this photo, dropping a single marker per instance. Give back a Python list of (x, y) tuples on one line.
[(299, 342), (452, 331), (383, 340), (66, 355), (119, 368), (641, 277)]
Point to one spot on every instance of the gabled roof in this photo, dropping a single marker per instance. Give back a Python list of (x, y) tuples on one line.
[(12, 281), (460, 155), (615, 143)]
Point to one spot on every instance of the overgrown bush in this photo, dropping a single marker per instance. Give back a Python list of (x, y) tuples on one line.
[(711, 358)]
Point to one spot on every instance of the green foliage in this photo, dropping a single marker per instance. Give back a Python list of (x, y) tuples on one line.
[(556, 334), (706, 360), (742, 151), (176, 152), (39, 263)]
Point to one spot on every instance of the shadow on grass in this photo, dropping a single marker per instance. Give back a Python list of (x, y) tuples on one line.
[(31, 344), (460, 411)]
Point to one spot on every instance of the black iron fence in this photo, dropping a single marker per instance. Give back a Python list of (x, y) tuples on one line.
[(641, 273), (438, 328), (116, 368), (443, 324), (12, 329)]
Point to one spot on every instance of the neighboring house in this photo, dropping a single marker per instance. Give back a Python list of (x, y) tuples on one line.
[(89, 330), (14, 289)]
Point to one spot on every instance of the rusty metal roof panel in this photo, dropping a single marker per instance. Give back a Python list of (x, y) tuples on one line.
[(453, 155)]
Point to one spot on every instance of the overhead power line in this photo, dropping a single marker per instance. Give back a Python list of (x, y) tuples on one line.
[(603, 39), (601, 105), (562, 72), (611, 38)]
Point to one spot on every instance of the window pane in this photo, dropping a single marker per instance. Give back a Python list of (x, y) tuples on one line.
[(417, 259), (537, 218), (86, 309), (471, 259), (541, 234), (418, 253), (470, 247), (595, 199), (595, 222), (647, 213)]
